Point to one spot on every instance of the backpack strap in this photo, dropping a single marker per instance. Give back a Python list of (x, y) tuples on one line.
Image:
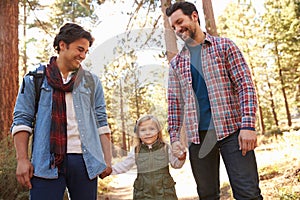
[(38, 77)]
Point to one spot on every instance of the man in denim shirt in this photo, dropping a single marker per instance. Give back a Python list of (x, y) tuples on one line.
[(211, 94), (71, 140)]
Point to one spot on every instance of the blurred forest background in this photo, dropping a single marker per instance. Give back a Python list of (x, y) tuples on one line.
[(269, 39)]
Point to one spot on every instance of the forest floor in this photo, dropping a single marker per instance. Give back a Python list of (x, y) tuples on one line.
[(278, 160)]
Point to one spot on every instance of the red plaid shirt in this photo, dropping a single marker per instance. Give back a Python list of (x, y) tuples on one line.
[(230, 89)]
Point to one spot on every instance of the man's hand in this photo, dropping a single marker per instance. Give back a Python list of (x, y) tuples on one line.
[(247, 141), (24, 172), (106, 172), (178, 150)]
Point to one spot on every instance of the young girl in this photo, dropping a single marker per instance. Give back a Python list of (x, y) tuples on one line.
[(152, 157)]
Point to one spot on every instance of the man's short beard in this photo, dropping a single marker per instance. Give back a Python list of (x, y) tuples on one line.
[(190, 39)]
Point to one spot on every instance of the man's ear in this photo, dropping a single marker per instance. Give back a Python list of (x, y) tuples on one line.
[(62, 45), (195, 16)]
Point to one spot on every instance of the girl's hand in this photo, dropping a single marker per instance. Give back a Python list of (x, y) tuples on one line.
[(178, 150)]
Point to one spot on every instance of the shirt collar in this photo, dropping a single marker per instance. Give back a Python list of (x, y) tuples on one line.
[(208, 39)]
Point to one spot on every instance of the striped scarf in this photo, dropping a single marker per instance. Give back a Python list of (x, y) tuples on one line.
[(58, 130)]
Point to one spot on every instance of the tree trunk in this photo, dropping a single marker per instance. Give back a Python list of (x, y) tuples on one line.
[(273, 106), (9, 55), (210, 23), (24, 57), (170, 37), (124, 147), (288, 113)]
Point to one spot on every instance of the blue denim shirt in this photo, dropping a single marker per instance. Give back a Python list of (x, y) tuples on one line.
[(89, 120)]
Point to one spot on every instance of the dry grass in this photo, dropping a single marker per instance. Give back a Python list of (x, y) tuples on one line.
[(278, 160)]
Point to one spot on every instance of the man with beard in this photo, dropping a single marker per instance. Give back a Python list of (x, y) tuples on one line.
[(71, 139), (211, 94)]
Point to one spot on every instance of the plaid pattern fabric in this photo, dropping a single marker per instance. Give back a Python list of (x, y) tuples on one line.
[(58, 131), (230, 89)]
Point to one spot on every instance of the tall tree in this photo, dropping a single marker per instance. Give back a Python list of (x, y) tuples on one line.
[(26, 10), (210, 23), (9, 75), (71, 11), (170, 37), (282, 24), (48, 17)]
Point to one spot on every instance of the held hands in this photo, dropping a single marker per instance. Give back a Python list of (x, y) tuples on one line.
[(178, 150), (106, 172), (247, 141), (24, 172)]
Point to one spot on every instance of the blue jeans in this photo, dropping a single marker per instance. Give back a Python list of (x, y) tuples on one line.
[(74, 177), (241, 170)]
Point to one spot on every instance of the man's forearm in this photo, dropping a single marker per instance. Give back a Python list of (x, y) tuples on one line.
[(21, 140), (106, 147)]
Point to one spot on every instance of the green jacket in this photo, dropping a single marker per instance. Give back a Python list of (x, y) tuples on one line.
[(153, 181)]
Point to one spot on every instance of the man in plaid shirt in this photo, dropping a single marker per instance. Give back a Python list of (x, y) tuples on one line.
[(211, 95)]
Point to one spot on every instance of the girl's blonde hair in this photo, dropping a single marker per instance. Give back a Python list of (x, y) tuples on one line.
[(143, 119)]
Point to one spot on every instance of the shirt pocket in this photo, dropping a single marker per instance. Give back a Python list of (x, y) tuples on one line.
[(169, 187), (85, 96), (138, 188), (143, 162), (160, 160), (168, 181), (45, 96)]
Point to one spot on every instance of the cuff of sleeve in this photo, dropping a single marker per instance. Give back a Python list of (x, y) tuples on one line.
[(19, 128), (174, 137), (248, 128), (103, 130), (248, 122)]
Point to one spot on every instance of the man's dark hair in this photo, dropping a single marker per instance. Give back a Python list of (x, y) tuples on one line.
[(69, 33), (186, 7)]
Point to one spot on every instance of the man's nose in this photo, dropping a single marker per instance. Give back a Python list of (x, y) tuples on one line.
[(83, 55), (178, 30)]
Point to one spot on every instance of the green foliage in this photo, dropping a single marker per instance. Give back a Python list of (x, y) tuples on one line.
[(270, 44), (45, 19), (70, 11), (9, 187)]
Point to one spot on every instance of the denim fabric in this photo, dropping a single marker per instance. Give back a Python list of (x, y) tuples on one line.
[(74, 177), (241, 170), (89, 120)]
